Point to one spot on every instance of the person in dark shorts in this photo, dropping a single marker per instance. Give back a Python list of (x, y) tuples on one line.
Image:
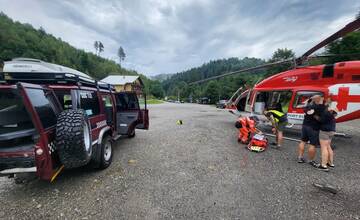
[(278, 120), (310, 130), (327, 130)]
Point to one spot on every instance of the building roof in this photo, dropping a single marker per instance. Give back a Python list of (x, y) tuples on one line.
[(120, 79)]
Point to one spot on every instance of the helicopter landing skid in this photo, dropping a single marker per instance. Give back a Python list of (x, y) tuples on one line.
[(342, 135)]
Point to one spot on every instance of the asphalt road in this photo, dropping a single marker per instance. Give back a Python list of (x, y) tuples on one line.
[(194, 171)]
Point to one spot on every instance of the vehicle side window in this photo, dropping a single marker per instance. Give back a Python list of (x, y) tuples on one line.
[(141, 100), (13, 114), (302, 98), (64, 98), (107, 101), (127, 101), (89, 102), (44, 106), (122, 101), (133, 103)]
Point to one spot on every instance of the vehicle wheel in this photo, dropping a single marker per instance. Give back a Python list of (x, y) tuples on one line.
[(73, 138), (106, 152), (132, 134)]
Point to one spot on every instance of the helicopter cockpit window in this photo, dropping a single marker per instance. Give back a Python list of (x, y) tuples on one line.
[(302, 98)]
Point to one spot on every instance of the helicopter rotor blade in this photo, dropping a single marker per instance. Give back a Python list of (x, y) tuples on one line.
[(352, 26), (243, 70), (333, 55)]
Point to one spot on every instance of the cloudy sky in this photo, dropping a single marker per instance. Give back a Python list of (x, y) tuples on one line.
[(162, 36)]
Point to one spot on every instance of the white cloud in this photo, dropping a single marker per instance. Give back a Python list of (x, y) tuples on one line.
[(162, 36)]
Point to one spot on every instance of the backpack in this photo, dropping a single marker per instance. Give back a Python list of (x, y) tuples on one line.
[(258, 143)]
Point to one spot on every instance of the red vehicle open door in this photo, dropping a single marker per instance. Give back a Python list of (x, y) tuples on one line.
[(129, 115)]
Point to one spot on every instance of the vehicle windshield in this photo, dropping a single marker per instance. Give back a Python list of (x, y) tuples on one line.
[(13, 115)]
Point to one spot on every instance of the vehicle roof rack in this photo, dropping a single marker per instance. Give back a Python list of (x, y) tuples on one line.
[(40, 72), (53, 78)]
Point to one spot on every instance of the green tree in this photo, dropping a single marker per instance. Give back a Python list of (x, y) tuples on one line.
[(101, 48), (212, 91), (282, 54), (279, 55), (350, 44), (156, 89), (121, 54), (96, 46), (227, 85)]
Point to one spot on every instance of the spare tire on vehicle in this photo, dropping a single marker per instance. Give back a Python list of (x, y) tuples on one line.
[(73, 138)]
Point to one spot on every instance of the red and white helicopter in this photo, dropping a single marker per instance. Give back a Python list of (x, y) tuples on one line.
[(340, 82)]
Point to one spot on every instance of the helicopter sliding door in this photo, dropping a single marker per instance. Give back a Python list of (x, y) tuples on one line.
[(249, 97), (240, 102), (277, 100), (280, 100)]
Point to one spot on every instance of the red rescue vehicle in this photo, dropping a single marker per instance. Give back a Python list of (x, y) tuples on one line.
[(53, 117)]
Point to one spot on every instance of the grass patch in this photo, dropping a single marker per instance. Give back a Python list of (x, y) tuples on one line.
[(154, 101), (151, 101)]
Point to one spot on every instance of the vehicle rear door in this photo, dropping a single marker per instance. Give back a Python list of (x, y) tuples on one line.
[(144, 114), (127, 112), (43, 107)]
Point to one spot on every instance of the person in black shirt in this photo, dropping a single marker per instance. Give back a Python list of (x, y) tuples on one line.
[(327, 130), (310, 130)]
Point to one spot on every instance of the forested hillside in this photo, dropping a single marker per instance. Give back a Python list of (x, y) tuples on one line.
[(161, 77), (221, 88), (22, 40)]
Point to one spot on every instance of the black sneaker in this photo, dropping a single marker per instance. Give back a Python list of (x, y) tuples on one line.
[(274, 143), (301, 160), (314, 164), (323, 168), (276, 147), (330, 165)]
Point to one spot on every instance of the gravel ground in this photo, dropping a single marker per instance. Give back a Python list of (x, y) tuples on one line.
[(194, 171)]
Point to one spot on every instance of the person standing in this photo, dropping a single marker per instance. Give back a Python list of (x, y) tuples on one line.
[(310, 130), (278, 120), (327, 130)]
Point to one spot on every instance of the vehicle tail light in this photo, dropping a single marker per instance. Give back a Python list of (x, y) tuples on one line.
[(39, 151)]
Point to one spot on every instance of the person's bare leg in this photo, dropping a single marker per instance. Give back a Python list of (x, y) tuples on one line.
[(331, 153), (311, 152), (280, 138), (324, 152), (301, 149)]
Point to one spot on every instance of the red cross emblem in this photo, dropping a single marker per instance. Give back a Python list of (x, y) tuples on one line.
[(343, 98)]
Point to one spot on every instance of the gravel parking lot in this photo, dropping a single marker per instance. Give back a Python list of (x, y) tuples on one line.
[(194, 171)]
